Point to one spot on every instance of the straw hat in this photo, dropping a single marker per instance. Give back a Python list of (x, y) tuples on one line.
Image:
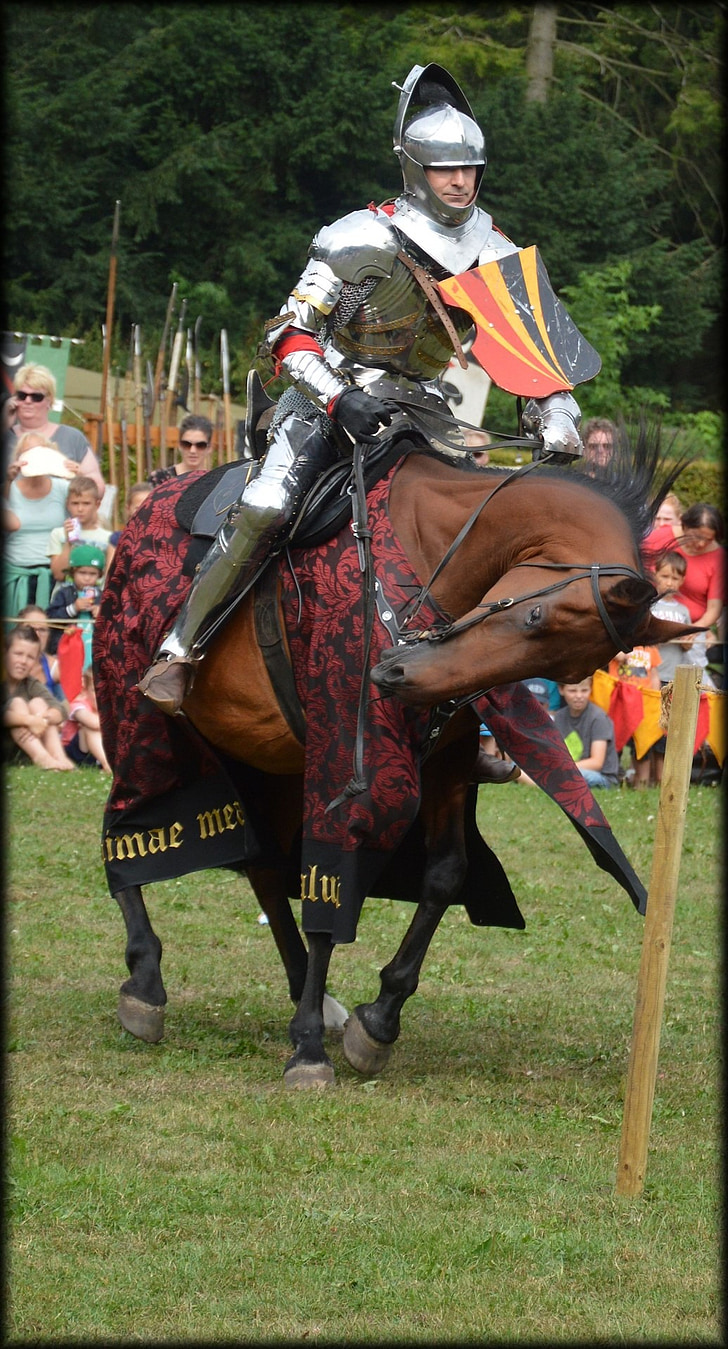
[(40, 462)]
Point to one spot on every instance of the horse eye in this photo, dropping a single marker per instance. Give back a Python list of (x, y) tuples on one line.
[(534, 617)]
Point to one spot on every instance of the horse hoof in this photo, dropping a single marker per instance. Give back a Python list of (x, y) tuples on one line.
[(141, 1019), (335, 1016), (303, 1076), (366, 1055)]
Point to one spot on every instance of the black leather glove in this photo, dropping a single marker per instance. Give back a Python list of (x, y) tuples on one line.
[(360, 413)]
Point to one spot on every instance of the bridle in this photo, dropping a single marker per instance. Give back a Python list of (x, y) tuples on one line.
[(373, 588), (592, 571)]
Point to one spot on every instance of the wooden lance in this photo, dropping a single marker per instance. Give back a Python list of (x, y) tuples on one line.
[(198, 372), (110, 293), (669, 830), (174, 367), (125, 472), (225, 363), (160, 384), (162, 353), (112, 455), (138, 401), (188, 386), (148, 405)]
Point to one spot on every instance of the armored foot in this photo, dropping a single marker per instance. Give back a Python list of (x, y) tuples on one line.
[(335, 1016)]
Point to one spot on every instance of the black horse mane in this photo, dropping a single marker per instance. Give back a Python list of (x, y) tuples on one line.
[(636, 480)]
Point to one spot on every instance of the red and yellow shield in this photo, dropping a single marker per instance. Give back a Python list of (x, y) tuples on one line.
[(525, 339)]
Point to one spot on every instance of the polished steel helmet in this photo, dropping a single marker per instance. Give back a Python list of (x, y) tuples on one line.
[(435, 128)]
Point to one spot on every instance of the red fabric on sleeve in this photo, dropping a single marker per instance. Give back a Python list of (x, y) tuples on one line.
[(294, 340)]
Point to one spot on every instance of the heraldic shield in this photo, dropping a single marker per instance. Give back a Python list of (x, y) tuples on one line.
[(525, 339)]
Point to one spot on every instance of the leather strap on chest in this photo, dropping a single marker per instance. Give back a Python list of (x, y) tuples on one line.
[(425, 282)]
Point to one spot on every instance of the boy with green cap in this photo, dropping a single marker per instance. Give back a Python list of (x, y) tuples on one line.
[(79, 598)]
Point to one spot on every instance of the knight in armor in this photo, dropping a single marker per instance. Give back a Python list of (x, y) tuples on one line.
[(363, 339)]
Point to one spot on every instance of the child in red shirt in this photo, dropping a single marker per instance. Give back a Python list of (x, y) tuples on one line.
[(81, 734)]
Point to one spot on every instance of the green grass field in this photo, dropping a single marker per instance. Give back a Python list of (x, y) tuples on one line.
[(178, 1193)]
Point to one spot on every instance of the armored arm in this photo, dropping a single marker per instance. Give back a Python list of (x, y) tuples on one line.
[(556, 420), (355, 250)]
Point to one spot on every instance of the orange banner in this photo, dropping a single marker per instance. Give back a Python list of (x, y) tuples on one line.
[(636, 714)]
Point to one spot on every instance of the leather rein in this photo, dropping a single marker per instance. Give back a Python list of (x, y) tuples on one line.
[(591, 571)]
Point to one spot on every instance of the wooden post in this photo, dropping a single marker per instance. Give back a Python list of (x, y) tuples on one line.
[(669, 830)]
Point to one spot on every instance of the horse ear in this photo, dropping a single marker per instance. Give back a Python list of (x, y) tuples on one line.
[(653, 631), (628, 602), (631, 594)]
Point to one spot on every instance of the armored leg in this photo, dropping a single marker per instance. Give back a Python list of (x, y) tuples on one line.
[(296, 457)]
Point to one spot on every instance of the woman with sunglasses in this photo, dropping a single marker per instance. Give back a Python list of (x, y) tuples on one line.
[(195, 436), (34, 496), (29, 408)]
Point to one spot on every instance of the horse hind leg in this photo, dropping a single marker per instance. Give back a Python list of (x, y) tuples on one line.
[(310, 1065), (142, 996)]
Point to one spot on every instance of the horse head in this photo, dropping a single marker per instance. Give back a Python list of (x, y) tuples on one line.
[(562, 628), (527, 595)]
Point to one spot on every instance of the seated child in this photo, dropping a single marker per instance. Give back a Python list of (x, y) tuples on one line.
[(588, 734), (31, 715), (546, 692), (46, 670), (669, 573), (79, 598), (81, 734), (82, 526)]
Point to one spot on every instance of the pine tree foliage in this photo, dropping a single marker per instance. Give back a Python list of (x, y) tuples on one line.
[(230, 133)]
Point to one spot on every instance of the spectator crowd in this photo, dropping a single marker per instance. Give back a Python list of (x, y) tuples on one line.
[(58, 547)]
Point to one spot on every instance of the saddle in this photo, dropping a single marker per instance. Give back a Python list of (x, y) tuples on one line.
[(203, 505)]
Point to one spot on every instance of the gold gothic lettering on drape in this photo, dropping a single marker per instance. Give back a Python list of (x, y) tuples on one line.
[(325, 888)]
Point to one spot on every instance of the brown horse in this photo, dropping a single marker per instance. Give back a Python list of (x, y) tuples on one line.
[(536, 573)]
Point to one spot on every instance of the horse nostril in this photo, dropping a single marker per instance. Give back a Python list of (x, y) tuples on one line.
[(386, 674)]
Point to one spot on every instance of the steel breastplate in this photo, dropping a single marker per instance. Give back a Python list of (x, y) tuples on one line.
[(396, 329)]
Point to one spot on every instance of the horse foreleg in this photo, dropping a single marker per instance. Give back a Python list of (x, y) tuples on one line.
[(142, 996), (373, 1027), (270, 891), (310, 1065)]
